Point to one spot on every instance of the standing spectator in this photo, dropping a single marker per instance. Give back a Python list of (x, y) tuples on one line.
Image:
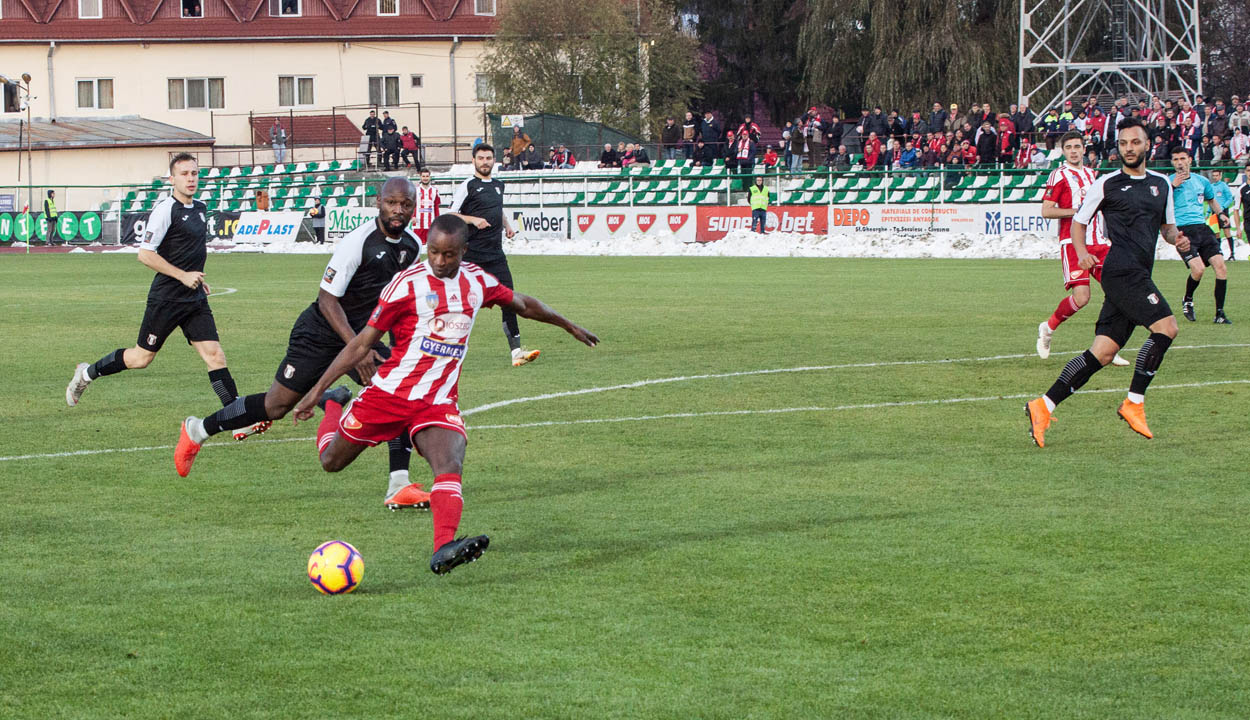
[(409, 143), (897, 127), (786, 134), (750, 127), (744, 152), (520, 141), (987, 144), (954, 119), (277, 140), (796, 148), (670, 138), (370, 127), (815, 141), (318, 215), (1240, 118), (710, 131), (390, 149), (387, 124), (564, 159), (872, 151), (759, 204), (1205, 156), (608, 158), (877, 123), (1219, 151), (916, 125), (730, 154), (1239, 147), (976, 116), (50, 215), (689, 134), (1006, 140), (1218, 124), (937, 117)]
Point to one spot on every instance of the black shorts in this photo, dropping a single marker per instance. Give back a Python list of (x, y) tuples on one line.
[(161, 317), (1130, 299), (309, 353), (497, 267), (1202, 243)]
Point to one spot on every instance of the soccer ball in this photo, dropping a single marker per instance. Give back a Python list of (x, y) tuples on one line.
[(335, 568)]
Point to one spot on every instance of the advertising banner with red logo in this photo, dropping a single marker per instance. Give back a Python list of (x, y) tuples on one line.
[(598, 224), (717, 222), (923, 219)]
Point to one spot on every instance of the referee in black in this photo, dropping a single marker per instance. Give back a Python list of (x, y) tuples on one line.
[(479, 202), (1136, 205), (175, 245)]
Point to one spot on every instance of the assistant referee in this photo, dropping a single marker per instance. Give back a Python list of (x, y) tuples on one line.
[(479, 202), (1136, 205)]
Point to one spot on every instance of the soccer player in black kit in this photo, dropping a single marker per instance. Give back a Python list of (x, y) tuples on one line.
[(1136, 205), (364, 263), (175, 245), (479, 202)]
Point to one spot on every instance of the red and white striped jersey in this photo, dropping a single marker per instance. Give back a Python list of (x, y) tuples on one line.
[(429, 205), (1066, 187), (431, 318)]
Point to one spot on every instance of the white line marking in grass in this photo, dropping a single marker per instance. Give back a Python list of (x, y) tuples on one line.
[(223, 291), (775, 371), (645, 418)]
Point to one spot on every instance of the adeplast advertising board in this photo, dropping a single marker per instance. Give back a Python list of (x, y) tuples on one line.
[(715, 223), (264, 227), (598, 224)]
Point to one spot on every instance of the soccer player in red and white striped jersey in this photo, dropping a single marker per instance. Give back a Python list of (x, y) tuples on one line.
[(1065, 191), (430, 308), (429, 206)]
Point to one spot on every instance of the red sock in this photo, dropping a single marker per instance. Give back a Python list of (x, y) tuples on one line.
[(1067, 308), (329, 426), (446, 504)]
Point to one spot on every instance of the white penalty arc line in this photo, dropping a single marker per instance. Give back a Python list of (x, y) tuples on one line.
[(775, 371), (646, 418)]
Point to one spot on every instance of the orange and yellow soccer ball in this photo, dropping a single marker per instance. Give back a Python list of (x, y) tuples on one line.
[(335, 568)]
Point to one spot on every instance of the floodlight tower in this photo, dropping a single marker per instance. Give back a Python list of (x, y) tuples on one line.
[(1071, 49)]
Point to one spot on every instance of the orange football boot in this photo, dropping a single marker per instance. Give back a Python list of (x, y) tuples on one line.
[(1039, 419), (523, 356), (184, 454), (1135, 415), (411, 496)]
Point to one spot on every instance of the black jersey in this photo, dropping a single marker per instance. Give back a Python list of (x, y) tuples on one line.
[(1133, 209), (364, 262), (178, 233), (1245, 200), (482, 198)]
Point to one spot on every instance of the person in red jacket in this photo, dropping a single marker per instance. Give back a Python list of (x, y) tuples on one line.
[(409, 143), (872, 151)]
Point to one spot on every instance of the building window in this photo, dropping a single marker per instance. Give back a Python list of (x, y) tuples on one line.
[(197, 93), (12, 100), (483, 7), (285, 8), (388, 7), (383, 89), (89, 10), (485, 90), (192, 8), (294, 90), (418, 81), (96, 93)]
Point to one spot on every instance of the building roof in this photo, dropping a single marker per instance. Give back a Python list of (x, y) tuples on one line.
[(82, 133), (233, 20)]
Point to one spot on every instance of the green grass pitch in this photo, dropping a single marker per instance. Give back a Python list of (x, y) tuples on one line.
[(875, 551)]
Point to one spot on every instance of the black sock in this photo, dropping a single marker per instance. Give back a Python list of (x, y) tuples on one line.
[(1076, 373), (240, 413), (1148, 360), (1221, 288), (112, 363), (223, 385), (1190, 286), (400, 452)]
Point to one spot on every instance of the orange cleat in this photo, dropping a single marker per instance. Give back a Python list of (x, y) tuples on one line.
[(411, 496), (1039, 419), (521, 356), (253, 429), (1135, 415), (184, 454)]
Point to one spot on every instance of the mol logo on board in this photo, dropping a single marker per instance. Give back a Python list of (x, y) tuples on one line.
[(645, 222), (615, 221), (584, 222), (676, 221)]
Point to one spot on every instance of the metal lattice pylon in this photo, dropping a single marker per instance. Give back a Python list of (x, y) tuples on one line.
[(1070, 49)]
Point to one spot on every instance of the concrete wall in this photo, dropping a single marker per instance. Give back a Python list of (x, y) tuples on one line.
[(62, 169), (341, 71)]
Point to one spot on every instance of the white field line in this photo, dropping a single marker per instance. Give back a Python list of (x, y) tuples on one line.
[(215, 293), (774, 371), (646, 418)]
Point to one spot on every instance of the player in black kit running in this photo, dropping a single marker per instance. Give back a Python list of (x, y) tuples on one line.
[(364, 263), (1136, 205), (175, 245), (479, 202)]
